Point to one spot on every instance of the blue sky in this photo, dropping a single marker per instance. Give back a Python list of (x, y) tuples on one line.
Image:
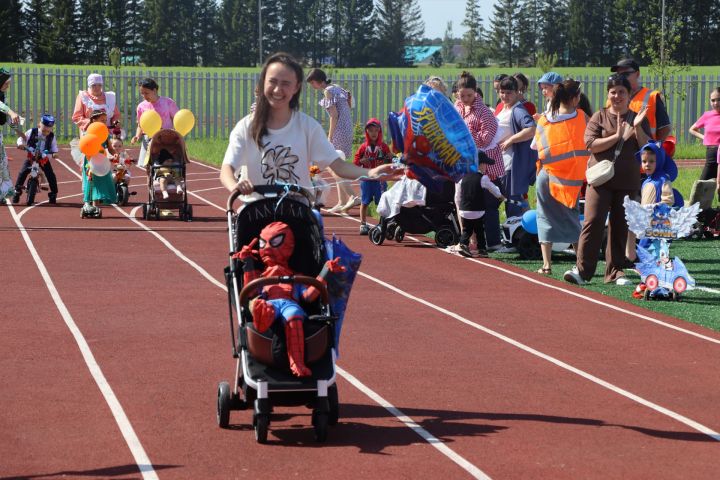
[(436, 14)]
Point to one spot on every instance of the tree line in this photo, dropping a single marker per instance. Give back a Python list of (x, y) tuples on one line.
[(355, 33)]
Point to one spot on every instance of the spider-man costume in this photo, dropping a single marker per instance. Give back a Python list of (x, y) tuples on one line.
[(281, 300)]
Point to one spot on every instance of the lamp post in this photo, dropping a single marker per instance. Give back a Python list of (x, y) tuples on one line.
[(662, 34), (260, 49)]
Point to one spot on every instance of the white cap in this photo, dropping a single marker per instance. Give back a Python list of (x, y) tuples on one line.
[(94, 79)]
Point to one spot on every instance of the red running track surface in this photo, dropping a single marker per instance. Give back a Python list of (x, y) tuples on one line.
[(515, 375)]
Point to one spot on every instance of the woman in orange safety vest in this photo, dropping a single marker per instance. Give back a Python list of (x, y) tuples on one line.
[(562, 160)]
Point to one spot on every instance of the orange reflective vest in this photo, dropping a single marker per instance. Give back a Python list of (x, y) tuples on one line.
[(646, 97), (563, 155)]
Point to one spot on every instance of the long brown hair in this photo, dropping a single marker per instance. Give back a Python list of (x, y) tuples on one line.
[(564, 92), (258, 125)]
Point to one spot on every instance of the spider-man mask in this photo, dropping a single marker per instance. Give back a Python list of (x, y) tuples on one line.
[(277, 243)]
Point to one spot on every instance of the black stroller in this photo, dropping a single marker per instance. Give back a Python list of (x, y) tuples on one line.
[(167, 143), (263, 378), (437, 215)]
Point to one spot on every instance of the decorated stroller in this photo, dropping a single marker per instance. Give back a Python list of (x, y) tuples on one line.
[(168, 158), (263, 378), (407, 207)]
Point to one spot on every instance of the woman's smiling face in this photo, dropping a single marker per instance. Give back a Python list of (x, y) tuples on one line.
[(619, 98), (281, 84)]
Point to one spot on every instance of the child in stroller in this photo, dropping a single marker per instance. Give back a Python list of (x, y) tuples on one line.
[(279, 363), (407, 207), (166, 176)]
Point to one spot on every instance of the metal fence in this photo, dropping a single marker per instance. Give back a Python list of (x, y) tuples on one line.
[(219, 100)]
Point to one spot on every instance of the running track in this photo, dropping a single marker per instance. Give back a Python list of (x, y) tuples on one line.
[(114, 335)]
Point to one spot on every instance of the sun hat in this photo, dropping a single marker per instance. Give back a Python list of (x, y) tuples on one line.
[(94, 79), (551, 78)]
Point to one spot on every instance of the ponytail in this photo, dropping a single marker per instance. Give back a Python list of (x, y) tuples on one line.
[(564, 93)]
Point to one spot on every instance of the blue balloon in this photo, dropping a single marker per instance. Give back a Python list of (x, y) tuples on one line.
[(529, 222)]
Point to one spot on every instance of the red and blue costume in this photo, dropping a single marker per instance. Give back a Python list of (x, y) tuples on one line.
[(281, 301)]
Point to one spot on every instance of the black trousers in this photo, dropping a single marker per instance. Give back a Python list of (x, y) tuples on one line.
[(47, 169), (470, 226), (709, 171)]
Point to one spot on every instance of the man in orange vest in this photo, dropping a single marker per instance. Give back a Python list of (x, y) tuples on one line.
[(641, 96)]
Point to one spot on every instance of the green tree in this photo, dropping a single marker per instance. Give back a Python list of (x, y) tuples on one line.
[(238, 33), (92, 32), (504, 37), (448, 44), (551, 29), (206, 32), (62, 43), (35, 22), (399, 24), (472, 40), (436, 59), (11, 49), (356, 32)]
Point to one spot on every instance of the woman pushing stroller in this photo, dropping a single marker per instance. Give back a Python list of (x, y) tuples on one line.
[(276, 143)]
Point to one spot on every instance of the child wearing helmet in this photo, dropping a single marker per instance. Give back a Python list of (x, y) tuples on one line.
[(39, 139)]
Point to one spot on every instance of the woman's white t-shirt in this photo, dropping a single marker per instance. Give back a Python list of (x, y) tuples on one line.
[(505, 131), (286, 154)]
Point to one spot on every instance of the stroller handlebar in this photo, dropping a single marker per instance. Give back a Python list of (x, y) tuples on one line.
[(270, 191), (259, 283)]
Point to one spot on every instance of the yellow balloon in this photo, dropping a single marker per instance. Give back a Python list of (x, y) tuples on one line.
[(150, 122), (184, 121)]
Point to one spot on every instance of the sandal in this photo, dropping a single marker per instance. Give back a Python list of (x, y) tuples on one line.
[(544, 271)]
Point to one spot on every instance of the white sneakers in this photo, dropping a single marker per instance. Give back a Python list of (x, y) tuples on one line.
[(573, 276)]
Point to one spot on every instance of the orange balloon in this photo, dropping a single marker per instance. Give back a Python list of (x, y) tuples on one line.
[(99, 129), (90, 144)]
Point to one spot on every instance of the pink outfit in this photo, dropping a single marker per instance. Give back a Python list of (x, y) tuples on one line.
[(710, 121), (84, 105), (164, 106)]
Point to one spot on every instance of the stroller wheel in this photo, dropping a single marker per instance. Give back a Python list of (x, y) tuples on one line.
[(390, 231), (399, 234), (445, 237), (320, 424), (223, 405), (145, 211), (261, 422), (376, 235)]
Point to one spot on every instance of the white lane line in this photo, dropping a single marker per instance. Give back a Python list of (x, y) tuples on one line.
[(435, 442), (676, 416), (579, 295), (178, 253), (27, 209), (414, 426), (138, 452)]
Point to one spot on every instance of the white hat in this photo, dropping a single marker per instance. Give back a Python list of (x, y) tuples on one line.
[(94, 79)]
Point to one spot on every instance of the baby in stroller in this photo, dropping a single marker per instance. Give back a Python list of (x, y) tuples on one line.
[(408, 207), (166, 175)]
